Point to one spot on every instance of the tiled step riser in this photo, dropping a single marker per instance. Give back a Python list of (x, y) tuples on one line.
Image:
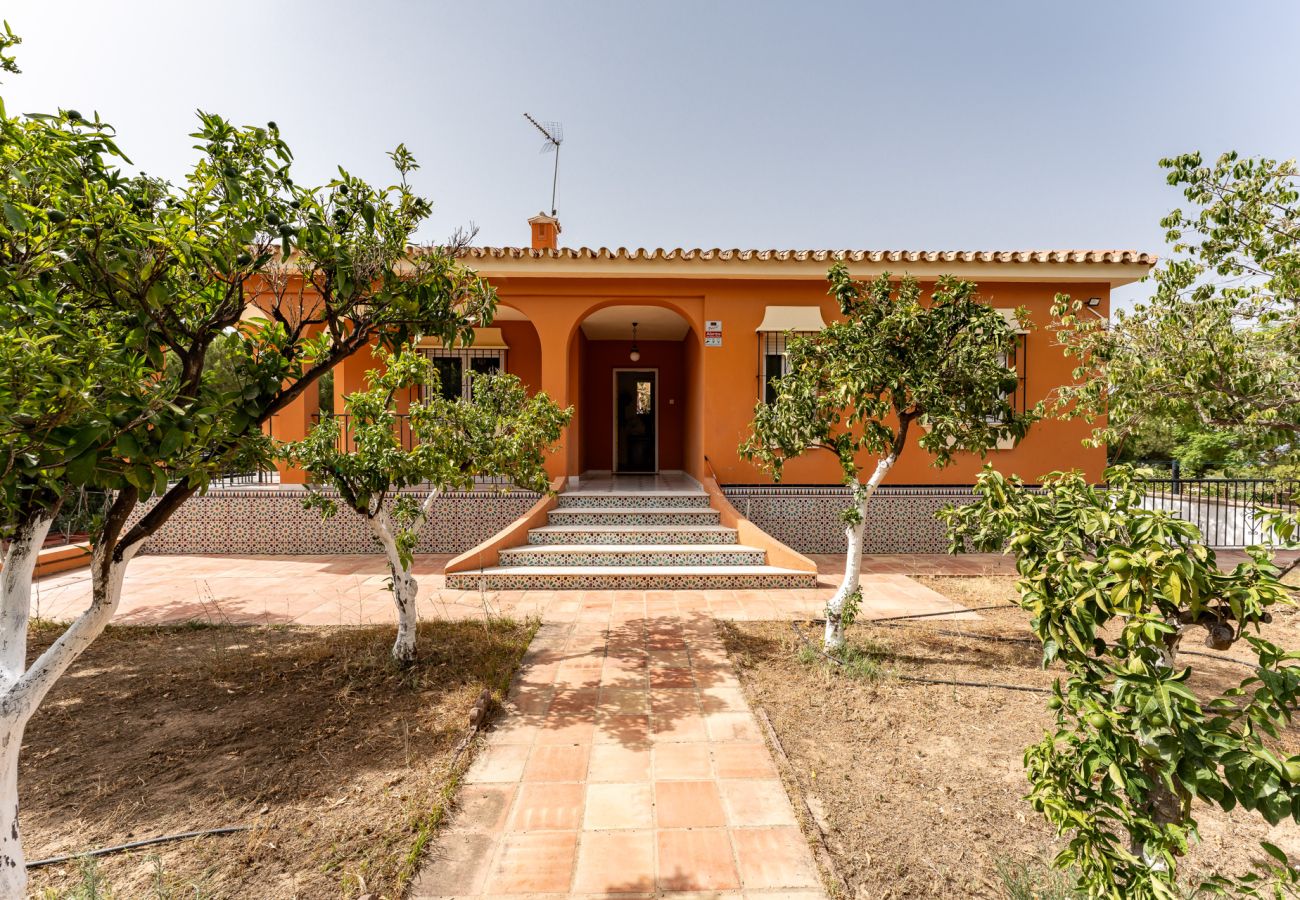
[(577, 516), (595, 501), (594, 581), (588, 560), (648, 536)]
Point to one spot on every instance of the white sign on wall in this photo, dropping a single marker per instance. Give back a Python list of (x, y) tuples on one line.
[(713, 332)]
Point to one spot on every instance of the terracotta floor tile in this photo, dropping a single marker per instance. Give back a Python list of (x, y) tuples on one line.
[(675, 728), (499, 762), (682, 762), (567, 728), (615, 762), (773, 858), (625, 701), (671, 678), (615, 862), (743, 761), (457, 865), (557, 763), (630, 731), (610, 806), (733, 726), (482, 807), (698, 860), (575, 701), (537, 862), (515, 729), (723, 699), (756, 801), (688, 804), (546, 806)]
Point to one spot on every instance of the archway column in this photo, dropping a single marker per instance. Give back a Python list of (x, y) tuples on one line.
[(559, 379)]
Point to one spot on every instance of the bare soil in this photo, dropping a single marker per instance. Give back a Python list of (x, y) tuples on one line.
[(340, 762), (919, 789)]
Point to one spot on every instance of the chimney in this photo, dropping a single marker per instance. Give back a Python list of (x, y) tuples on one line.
[(546, 231)]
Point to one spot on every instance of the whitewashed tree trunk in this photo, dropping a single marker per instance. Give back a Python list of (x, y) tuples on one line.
[(834, 637), (25, 687), (15, 608), (405, 589)]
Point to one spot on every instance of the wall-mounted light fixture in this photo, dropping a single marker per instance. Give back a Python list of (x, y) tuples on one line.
[(1094, 302), (636, 353)]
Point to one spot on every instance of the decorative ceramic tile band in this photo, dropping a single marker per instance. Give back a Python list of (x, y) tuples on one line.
[(592, 516), (586, 501), (594, 581), (643, 535), (899, 519), (262, 521), (669, 556)]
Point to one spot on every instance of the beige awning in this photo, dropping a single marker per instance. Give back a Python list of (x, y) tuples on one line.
[(792, 318), (484, 339)]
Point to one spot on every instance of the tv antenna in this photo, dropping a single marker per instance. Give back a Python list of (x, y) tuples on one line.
[(554, 134)]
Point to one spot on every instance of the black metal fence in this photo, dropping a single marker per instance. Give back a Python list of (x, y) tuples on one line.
[(1224, 509)]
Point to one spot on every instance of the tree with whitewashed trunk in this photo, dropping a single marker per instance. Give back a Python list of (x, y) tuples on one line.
[(391, 477), (114, 288), (857, 388)]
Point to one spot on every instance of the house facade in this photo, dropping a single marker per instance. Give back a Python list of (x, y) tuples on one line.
[(663, 354)]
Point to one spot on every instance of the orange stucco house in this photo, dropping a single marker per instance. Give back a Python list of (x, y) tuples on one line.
[(709, 328), (663, 355)]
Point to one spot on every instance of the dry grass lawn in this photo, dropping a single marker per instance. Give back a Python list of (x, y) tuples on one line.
[(338, 761), (919, 788)]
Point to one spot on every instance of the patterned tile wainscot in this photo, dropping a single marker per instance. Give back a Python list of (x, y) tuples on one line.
[(272, 520), (807, 518)]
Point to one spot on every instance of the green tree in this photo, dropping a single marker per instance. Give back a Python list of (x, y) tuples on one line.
[(857, 388), (116, 289), (1113, 590), (498, 431), (1217, 346)]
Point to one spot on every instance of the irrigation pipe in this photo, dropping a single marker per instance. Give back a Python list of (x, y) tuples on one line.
[(105, 851), (886, 622)]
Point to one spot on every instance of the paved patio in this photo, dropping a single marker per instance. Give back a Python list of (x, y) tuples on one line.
[(349, 590)]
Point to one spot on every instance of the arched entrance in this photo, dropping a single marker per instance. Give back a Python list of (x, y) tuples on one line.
[(638, 397)]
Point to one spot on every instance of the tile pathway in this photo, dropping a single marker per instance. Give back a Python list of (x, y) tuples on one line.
[(627, 762)]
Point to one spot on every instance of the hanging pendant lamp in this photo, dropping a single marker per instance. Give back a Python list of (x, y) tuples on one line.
[(636, 353)]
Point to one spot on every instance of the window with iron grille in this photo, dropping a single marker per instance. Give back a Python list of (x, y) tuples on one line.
[(773, 361), (456, 366), (1018, 359)]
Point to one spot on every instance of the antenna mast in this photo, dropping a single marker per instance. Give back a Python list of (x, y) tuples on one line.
[(554, 134)]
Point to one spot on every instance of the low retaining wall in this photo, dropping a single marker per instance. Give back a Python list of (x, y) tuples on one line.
[(807, 518), (273, 521)]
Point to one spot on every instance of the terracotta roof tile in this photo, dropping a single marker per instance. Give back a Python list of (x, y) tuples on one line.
[(1128, 257)]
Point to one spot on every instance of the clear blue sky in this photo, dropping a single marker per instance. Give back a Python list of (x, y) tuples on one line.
[(737, 124)]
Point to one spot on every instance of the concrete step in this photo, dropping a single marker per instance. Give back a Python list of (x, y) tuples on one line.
[(633, 515), (688, 578), (632, 534), (595, 556), (573, 499)]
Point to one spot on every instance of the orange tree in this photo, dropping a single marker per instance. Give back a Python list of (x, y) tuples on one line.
[(1113, 590), (857, 388), (498, 431), (114, 289)]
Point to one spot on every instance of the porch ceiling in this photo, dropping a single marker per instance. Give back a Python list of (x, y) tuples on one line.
[(654, 323)]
